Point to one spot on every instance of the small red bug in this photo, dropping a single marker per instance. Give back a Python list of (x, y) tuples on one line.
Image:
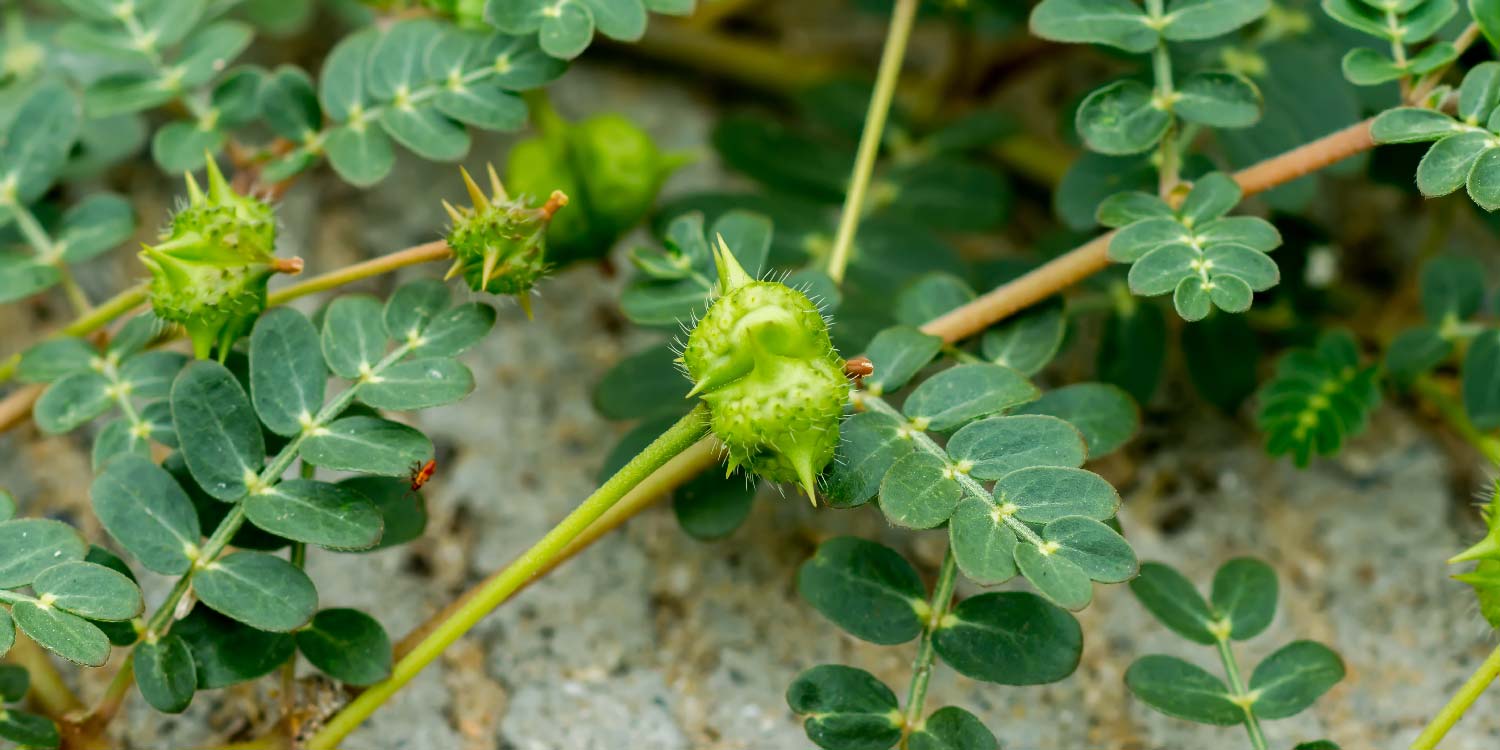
[(421, 472)]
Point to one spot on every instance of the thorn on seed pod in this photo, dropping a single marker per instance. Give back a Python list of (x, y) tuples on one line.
[(1485, 578), (499, 242), (210, 268), (762, 360)]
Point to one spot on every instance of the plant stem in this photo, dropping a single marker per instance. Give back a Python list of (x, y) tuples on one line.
[(424, 253), (544, 554), (1453, 413), (1169, 165), (101, 316), (869, 140), (47, 253), (1237, 684), (916, 695), (1461, 701), (1090, 258)]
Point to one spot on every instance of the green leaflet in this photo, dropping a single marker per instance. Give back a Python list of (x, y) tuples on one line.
[(1290, 679), (952, 728), (347, 645), (219, 432), (919, 492), (165, 673), (32, 545), (89, 590), (967, 392), (869, 444), (1010, 638), (287, 376), (1182, 690), (264, 592), (367, 444), (846, 708), (146, 511), (867, 589), (305, 510), (69, 636)]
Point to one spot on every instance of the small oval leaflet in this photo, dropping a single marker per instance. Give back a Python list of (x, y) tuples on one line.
[(69, 636), (165, 674), (262, 591), (347, 645), (305, 510), (1043, 494), (418, 384), (1182, 690), (967, 392), (287, 376), (846, 708), (919, 492), (147, 512), (366, 444), (33, 545), (1290, 679), (219, 432), (89, 590), (865, 588)]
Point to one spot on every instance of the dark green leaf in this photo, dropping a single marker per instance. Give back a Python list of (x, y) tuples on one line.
[(965, 393), (72, 401), (89, 590), (367, 444), (711, 506), (218, 429), (1244, 593), (865, 588), (1046, 493), (53, 359), (306, 510), (1289, 680), (165, 674), (264, 592), (347, 645), (28, 729), (869, 443), (983, 544), (1182, 690), (454, 331), (69, 636), (952, 728), (1122, 118), (1173, 600), (354, 335), (402, 511), (1011, 638), (1027, 342), (846, 708), (418, 384), (1118, 23), (997, 446), (1056, 577), (32, 545), (898, 354), (146, 511), (287, 376), (919, 491), (226, 653)]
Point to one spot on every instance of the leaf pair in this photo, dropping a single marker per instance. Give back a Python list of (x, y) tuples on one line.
[(851, 709), (1129, 117), (1242, 605), (1466, 150), (1126, 25), (1202, 257), (68, 592), (564, 28)]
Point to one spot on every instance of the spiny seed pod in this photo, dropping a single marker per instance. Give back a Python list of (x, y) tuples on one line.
[(610, 166), (209, 271), (499, 244), (762, 360), (1485, 578)]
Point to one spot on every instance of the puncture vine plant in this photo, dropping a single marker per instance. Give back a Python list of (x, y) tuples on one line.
[(834, 337)]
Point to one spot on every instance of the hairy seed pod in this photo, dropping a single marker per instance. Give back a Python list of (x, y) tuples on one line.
[(762, 360), (1485, 578), (210, 269), (611, 167), (500, 245)]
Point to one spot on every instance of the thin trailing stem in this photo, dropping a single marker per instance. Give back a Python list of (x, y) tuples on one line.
[(1453, 413), (424, 253), (1240, 694), (542, 556), (1459, 704), (916, 694), (869, 140)]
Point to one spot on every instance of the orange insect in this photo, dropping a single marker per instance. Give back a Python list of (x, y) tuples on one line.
[(421, 472), (859, 368)]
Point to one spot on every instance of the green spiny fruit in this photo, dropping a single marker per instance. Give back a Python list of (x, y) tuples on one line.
[(608, 165), (1485, 578), (762, 360), (499, 244), (209, 271)]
